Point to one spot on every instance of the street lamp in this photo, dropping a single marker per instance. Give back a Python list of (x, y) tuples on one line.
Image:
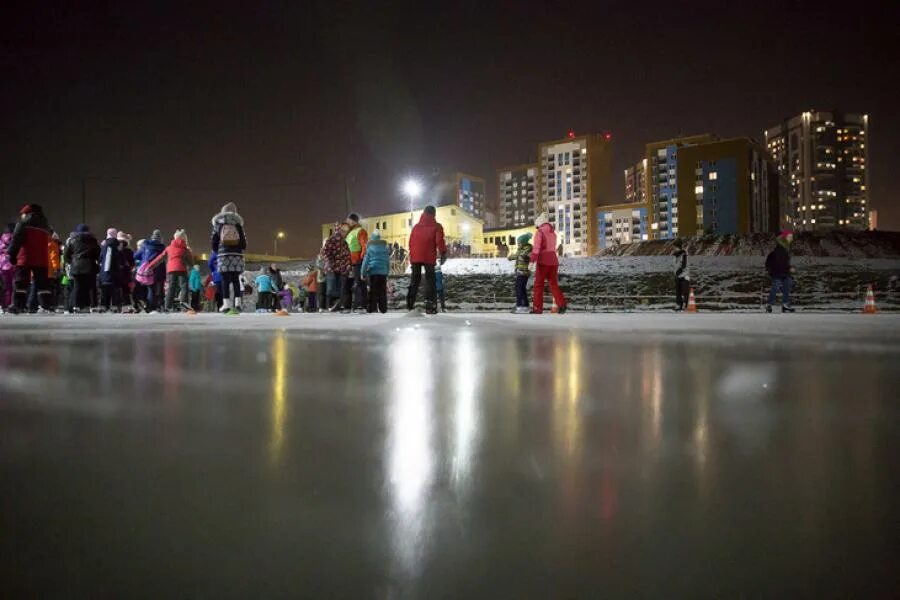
[(278, 236)]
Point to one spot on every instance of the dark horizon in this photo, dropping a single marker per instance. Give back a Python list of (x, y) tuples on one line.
[(169, 114)]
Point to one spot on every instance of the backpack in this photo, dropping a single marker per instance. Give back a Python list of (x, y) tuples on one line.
[(229, 235), (145, 275)]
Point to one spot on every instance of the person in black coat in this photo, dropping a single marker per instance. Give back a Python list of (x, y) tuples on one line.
[(81, 253), (126, 267), (778, 265), (110, 271)]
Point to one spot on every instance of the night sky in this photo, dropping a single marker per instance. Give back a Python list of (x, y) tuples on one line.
[(169, 110)]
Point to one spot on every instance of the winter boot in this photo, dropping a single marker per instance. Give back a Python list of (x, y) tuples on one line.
[(227, 304), (787, 308), (769, 308), (562, 309)]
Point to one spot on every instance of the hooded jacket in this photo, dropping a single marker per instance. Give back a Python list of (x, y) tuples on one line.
[(544, 251), (337, 254), (195, 282), (110, 262), (523, 254), (426, 241), (81, 253), (311, 282), (378, 258), (778, 262), (177, 256), (147, 253), (228, 216), (30, 239)]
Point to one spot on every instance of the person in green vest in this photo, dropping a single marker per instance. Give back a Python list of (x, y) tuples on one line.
[(357, 240)]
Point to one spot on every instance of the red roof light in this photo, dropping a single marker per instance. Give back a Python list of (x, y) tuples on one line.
[(571, 134)]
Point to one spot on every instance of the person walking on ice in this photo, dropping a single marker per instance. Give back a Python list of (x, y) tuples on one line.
[(523, 271), (545, 257), (778, 265)]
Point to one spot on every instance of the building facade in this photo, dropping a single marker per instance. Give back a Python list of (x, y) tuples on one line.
[(574, 179), (459, 227), (824, 158), (443, 187), (622, 224), (503, 242), (636, 183), (517, 191)]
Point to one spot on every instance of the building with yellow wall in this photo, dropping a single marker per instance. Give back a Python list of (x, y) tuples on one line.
[(459, 226), (494, 238)]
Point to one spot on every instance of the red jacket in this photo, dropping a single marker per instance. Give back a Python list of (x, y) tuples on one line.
[(31, 240), (426, 241), (544, 251), (177, 255)]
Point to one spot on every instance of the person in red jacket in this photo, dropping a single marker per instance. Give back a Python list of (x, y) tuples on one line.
[(28, 251), (544, 256), (178, 259), (426, 244)]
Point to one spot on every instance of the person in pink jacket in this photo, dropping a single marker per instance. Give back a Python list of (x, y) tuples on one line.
[(547, 264), (7, 269), (179, 260)]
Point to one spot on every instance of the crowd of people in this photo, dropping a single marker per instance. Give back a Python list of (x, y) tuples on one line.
[(40, 273)]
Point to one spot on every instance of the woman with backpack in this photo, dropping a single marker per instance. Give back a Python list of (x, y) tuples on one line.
[(229, 242)]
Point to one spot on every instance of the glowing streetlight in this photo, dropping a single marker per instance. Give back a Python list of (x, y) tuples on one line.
[(412, 189), (278, 236)]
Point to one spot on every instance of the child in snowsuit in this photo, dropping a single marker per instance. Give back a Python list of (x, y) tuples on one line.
[(147, 253), (523, 272), (286, 297), (195, 286), (265, 289), (439, 286), (311, 285), (376, 265), (7, 268)]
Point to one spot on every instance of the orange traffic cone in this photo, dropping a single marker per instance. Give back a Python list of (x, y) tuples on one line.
[(869, 308), (282, 313), (555, 308), (692, 303)]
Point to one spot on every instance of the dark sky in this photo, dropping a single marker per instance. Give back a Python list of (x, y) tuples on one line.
[(170, 110)]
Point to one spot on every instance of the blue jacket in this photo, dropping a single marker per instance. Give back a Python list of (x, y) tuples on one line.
[(264, 284), (377, 260), (149, 251), (110, 267), (213, 265), (195, 282)]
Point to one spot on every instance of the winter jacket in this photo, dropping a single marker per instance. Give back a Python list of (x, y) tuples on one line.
[(357, 240), (213, 265), (337, 254), (177, 256), (230, 254), (426, 241), (264, 284), (126, 263), (195, 282), (522, 258), (680, 265), (277, 279), (6, 263), (544, 250), (311, 282), (30, 240), (110, 262), (286, 297), (377, 260), (148, 253), (778, 263), (81, 253)]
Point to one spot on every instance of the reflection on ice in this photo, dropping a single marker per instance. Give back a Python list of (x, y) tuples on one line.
[(467, 377)]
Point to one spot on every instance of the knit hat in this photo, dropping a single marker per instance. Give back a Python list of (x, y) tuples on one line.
[(786, 233), (112, 232), (82, 228), (179, 234), (156, 236), (140, 242), (353, 218), (523, 239), (376, 235), (541, 219), (430, 210), (231, 207), (25, 209)]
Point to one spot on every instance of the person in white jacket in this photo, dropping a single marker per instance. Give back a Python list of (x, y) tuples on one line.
[(682, 275)]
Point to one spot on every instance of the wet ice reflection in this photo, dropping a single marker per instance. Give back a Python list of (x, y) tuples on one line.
[(467, 376), (409, 448), (279, 375)]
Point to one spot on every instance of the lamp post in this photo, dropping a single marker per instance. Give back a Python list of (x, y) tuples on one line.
[(278, 236), (412, 189)]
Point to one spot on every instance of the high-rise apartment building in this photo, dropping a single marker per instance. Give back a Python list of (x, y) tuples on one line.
[(823, 156), (699, 184), (574, 180), (517, 192), (621, 224)]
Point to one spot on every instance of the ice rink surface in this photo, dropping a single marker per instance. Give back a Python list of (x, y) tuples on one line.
[(463, 455)]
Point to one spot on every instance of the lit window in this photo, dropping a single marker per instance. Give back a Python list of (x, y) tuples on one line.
[(698, 189), (713, 176)]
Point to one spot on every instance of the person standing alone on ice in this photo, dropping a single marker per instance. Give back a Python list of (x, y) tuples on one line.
[(426, 244), (229, 242), (682, 276), (778, 264), (545, 257), (357, 240), (28, 251)]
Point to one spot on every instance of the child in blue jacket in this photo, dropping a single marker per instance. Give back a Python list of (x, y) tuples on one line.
[(265, 287), (376, 266)]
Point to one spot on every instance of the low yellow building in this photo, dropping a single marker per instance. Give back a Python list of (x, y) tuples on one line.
[(495, 238), (459, 226)]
